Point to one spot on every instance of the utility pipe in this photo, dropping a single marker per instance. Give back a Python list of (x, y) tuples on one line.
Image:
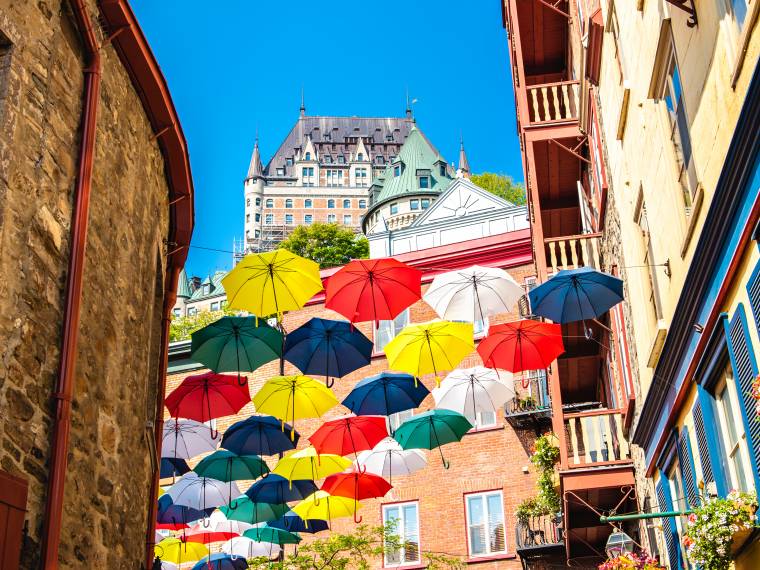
[(641, 516), (51, 533)]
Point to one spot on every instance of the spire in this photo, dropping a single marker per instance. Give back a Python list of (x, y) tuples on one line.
[(183, 286), (464, 166), (255, 169), (303, 104), (408, 106)]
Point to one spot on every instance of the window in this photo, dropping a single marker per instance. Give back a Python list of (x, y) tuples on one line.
[(247, 201), (288, 203), (485, 524), (395, 420), (307, 156), (331, 203), (308, 219), (394, 208), (732, 432), (442, 169), (335, 178), (257, 233), (327, 158), (361, 176), (347, 220), (380, 159), (307, 175), (258, 201), (215, 306), (269, 219), (192, 311), (341, 159), (614, 29), (424, 182), (257, 217), (360, 157), (362, 204), (289, 219), (397, 170), (678, 494), (387, 330), (331, 218), (270, 203), (414, 204), (176, 312), (425, 203), (289, 161), (346, 203), (648, 261), (407, 528), (280, 172), (307, 203)]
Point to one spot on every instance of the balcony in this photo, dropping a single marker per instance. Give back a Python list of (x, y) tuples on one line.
[(540, 537), (551, 103), (595, 438), (571, 252), (532, 406)]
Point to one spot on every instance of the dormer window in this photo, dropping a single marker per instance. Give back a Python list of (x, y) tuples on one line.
[(207, 289), (380, 159), (398, 169), (424, 181), (289, 161), (341, 159), (360, 156), (442, 169), (327, 159), (280, 172), (307, 156)]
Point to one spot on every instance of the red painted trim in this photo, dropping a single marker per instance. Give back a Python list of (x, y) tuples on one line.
[(479, 559), (594, 50)]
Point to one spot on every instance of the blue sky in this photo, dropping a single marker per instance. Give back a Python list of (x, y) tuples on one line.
[(238, 69)]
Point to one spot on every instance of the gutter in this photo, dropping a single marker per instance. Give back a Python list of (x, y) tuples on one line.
[(64, 388)]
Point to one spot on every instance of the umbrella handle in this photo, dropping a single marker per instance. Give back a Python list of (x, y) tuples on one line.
[(242, 381), (446, 463), (362, 468), (330, 382), (360, 519)]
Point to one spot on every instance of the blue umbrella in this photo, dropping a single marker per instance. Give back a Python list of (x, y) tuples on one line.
[(169, 513), (576, 295), (277, 489), (385, 394), (221, 561), (171, 466), (327, 348), (259, 435), (293, 523)]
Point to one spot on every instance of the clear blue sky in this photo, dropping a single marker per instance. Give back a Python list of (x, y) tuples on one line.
[(235, 66)]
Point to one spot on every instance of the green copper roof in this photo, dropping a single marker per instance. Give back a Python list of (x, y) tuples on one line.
[(183, 286), (416, 154), (210, 287)]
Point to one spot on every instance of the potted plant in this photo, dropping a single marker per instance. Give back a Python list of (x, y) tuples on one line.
[(756, 396), (631, 561)]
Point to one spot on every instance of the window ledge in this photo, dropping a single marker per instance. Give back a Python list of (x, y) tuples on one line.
[(474, 431), (693, 217), (406, 567), (480, 559)]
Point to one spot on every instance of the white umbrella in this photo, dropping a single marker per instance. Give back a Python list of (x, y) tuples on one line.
[(246, 548), (217, 522), (185, 439), (472, 390), (473, 294), (202, 492), (388, 458)]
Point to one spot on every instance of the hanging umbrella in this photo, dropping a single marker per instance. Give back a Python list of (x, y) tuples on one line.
[(172, 525), (388, 458), (373, 289), (259, 435), (357, 485), (221, 561), (245, 510), (385, 394), (228, 466), (235, 344), (178, 551), (172, 516), (293, 523), (272, 283), (576, 295), (293, 398), (247, 548), (216, 528), (327, 348), (170, 467), (207, 396), (472, 390), (308, 464), (202, 492), (186, 439), (277, 489), (427, 348), (521, 345), (265, 533), (473, 294), (349, 434), (323, 506), (432, 429)]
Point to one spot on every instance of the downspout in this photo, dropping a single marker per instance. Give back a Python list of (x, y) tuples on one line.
[(64, 388)]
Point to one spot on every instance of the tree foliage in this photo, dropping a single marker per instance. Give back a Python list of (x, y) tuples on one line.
[(327, 244), (182, 327), (502, 186)]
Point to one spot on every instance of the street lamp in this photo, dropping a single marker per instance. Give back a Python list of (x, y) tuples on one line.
[(618, 543)]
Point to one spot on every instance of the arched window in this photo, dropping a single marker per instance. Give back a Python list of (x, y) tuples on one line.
[(360, 156), (288, 203), (270, 203), (362, 204), (258, 201), (331, 203), (346, 203), (308, 156), (307, 203)]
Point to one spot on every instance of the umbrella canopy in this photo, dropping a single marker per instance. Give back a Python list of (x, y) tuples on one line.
[(228, 466), (202, 492), (207, 396), (521, 345), (373, 289), (235, 344), (277, 489), (427, 348), (271, 283), (323, 506), (175, 517), (432, 429), (293, 523), (473, 294), (357, 485), (328, 348), (265, 533), (247, 548), (388, 458), (178, 551), (293, 398), (186, 439), (308, 464), (385, 394), (576, 295), (245, 510), (259, 435), (171, 467), (216, 528), (349, 434), (221, 561), (472, 390)]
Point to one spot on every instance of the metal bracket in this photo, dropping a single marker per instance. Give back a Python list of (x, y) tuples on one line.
[(554, 8), (574, 150), (688, 7)]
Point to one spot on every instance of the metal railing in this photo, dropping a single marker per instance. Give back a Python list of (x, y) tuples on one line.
[(537, 532), (532, 395), (571, 252), (595, 437), (553, 102)]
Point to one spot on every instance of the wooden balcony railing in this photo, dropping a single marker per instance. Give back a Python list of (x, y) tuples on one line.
[(553, 102), (571, 252), (595, 437)]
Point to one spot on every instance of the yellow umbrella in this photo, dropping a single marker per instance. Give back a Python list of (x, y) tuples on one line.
[(308, 464), (427, 348), (294, 398), (272, 283), (177, 552), (324, 506)]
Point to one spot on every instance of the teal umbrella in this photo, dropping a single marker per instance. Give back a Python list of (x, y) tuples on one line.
[(432, 429), (245, 510), (266, 533), (225, 465), (236, 344)]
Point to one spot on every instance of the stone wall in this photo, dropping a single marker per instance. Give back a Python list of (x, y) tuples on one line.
[(108, 478)]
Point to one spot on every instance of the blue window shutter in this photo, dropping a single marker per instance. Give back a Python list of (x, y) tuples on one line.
[(709, 453), (753, 292), (707, 408), (686, 462), (669, 529), (745, 369)]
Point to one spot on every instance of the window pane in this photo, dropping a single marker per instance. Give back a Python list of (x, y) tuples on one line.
[(477, 528), (411, 534), (475, 509), (496, 538)]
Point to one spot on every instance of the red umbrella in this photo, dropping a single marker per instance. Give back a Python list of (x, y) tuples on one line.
[(358, 485), (207, 396), (521, 345), (349, 434), (373, 289), (171, 526), (211, 535)]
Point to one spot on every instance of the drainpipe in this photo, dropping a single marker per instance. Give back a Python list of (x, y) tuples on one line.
[(65, 382)]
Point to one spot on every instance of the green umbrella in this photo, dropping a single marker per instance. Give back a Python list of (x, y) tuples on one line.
[(245, 510), (266, 533), (226, 465), (235, 344), (432, 429)]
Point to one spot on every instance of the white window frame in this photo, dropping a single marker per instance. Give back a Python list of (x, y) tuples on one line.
[(331, 219), (394, 420), (348, 220), (393, 331), (269, 219), (400, 531), (727, 389), (483, 495), (288, 219), (308, 219)]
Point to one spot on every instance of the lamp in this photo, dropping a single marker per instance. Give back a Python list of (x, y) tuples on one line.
[(618, 543)]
